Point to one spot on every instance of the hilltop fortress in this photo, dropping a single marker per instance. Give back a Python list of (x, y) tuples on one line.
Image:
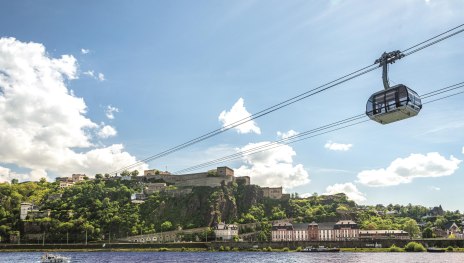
[(211, 178)]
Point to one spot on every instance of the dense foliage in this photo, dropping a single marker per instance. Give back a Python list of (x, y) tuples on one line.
[(101, 209)]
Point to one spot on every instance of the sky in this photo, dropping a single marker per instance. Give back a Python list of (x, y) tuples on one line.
[(92, 86)]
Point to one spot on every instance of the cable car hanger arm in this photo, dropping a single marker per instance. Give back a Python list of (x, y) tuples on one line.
[(384, 60)]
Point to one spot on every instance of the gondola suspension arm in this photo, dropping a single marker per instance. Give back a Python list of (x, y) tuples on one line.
[(384, 60)]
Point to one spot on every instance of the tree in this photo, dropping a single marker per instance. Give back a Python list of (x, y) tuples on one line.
[(411, 227), (98, 176), (14, 181), (135, 173), (166, 226), (125, 173), (107, 176), (427, 233)]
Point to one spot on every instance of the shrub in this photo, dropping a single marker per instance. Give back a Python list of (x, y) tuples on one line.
[(221, 248), (394, 248), (163, 249), (285, 249), (227, 248), (414, 247), (298, 249), (182, 249), (450, 248), (269, 249), (235, 249)]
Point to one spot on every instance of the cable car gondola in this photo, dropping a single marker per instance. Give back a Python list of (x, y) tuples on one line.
[(393, 103)]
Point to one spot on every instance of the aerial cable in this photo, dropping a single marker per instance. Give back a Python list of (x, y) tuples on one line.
[(348, 122), (422, 45)]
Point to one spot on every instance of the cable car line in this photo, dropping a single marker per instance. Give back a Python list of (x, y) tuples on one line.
[(446, 89), (309, 134), (293, 100), (285, 140)]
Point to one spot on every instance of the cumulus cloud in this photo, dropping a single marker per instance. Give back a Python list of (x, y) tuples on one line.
[(273, 167), (349, 189), (109, 112), (337, 146), (85, 51), (237, 113), (42, 122), (106, 131), (404, 170), (101, 77), (285, 135)]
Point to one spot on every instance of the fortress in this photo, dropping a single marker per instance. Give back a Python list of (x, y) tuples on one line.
[(211, 178)]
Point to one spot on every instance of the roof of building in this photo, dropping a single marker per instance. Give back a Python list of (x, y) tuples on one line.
[(380, 231), (286, 226)]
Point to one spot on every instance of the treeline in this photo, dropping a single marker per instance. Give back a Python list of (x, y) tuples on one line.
[(101, 209)]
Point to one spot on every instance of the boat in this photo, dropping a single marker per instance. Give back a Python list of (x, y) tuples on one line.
[(436, 250), (53, 258), (321, 249)]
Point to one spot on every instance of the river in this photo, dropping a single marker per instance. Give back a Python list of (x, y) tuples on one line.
[(236, 257)]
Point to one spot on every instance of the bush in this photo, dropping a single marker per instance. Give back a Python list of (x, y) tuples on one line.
[(414, 247), (227, 248), (221, 248), (163, 249), (450, 248), (182, 249), (285, 249), (269, 249), (394, 248), (298, 249), (235, 249)]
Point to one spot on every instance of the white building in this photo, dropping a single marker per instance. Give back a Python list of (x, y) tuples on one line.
[(225, 231), (25, 209)]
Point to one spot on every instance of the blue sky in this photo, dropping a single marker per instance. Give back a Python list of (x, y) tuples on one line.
[(168, 69)]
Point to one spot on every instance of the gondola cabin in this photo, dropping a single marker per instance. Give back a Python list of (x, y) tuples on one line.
[(393, 104)]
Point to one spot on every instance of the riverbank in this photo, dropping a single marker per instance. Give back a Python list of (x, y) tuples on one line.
[(178, 247)]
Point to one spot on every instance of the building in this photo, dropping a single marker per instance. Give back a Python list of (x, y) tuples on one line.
[(282, 232), (272, 192), (78, 177), (25, 209), (211, 178), (327, 231), (65, 184), (383, 234), (225, 231)]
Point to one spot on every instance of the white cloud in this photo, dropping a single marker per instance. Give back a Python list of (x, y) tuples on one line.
[(110, 110), (89, 73), (337, 146), (285, 135), (237, 113), (42, 122), (434, 188), (273, 167), (349, 189), (92, 74), (463, 150), (106, 131), (6, 175), (404, 170), (85, 51)]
